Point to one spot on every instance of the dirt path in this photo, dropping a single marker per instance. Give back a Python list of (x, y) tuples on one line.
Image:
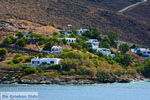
[(131, 6)]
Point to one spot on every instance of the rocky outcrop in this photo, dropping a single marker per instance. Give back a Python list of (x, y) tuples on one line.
[(12, 80)]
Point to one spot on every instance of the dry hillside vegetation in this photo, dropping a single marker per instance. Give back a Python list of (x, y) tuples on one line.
[(82, 14), (9, 26)]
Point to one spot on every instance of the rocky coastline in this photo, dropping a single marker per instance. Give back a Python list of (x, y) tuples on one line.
[(60, 81)]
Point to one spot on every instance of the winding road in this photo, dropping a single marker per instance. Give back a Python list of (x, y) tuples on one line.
[(131, 6)]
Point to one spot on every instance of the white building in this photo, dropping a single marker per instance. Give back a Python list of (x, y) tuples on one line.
[(56, 50), (81, 31), (143, 51), (45, 61), (69, 40), (105, 51), (95, 43)]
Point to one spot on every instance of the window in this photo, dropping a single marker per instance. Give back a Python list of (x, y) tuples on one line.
[(44, 63), (53, 49), (51, 62), (56, 49), (38, 62)]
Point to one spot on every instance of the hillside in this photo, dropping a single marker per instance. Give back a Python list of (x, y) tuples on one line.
[(10, 26), (141, 12), (80, 13)]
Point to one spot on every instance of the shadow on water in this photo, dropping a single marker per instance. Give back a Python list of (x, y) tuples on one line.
[(148, 81)]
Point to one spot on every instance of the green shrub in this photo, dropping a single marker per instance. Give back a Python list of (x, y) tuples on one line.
[(102, 76), (146, 68), (10, 62), (21, 42), (48, 46), (113, 37), (64, 41), (17, 59), (105, 42), (55, 34), (124, 48), (109, 59), (76, 45), (19, 34), (3, 53), (30, 70), (55, 67), (28, 59), (40, 55), (71, 54), (8, 40), (38, 36), (123, 59), (93, 33), (75, 59), (100, 54)]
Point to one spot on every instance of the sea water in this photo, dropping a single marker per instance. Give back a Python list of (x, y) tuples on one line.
[(115, 91)]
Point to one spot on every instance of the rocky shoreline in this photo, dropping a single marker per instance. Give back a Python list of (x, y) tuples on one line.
[(14, 80)]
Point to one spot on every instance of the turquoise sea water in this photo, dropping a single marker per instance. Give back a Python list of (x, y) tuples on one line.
[(115, 91)]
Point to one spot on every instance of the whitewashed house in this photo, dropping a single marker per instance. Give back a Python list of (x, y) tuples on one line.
[(143, 51), (56, 50), (95, 43), (45, 61), (105, 51), (69, 40), (81, 31)]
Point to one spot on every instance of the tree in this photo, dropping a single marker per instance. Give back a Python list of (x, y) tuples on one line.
[(21, 42), (123, 59), (106, 39), (17, 59), (105, 42), (93, 33), (55, 34), (64, 41), (30, 70), (3, 53), (72, 35), (76, 45), (28, 59), (105, 45), (87, 45), (146, 70), (124, 48), (48, 46), (100, 54), (133, 46), (74, 31), (19, 34), (40, 55), (8, 40), (113, 36)]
